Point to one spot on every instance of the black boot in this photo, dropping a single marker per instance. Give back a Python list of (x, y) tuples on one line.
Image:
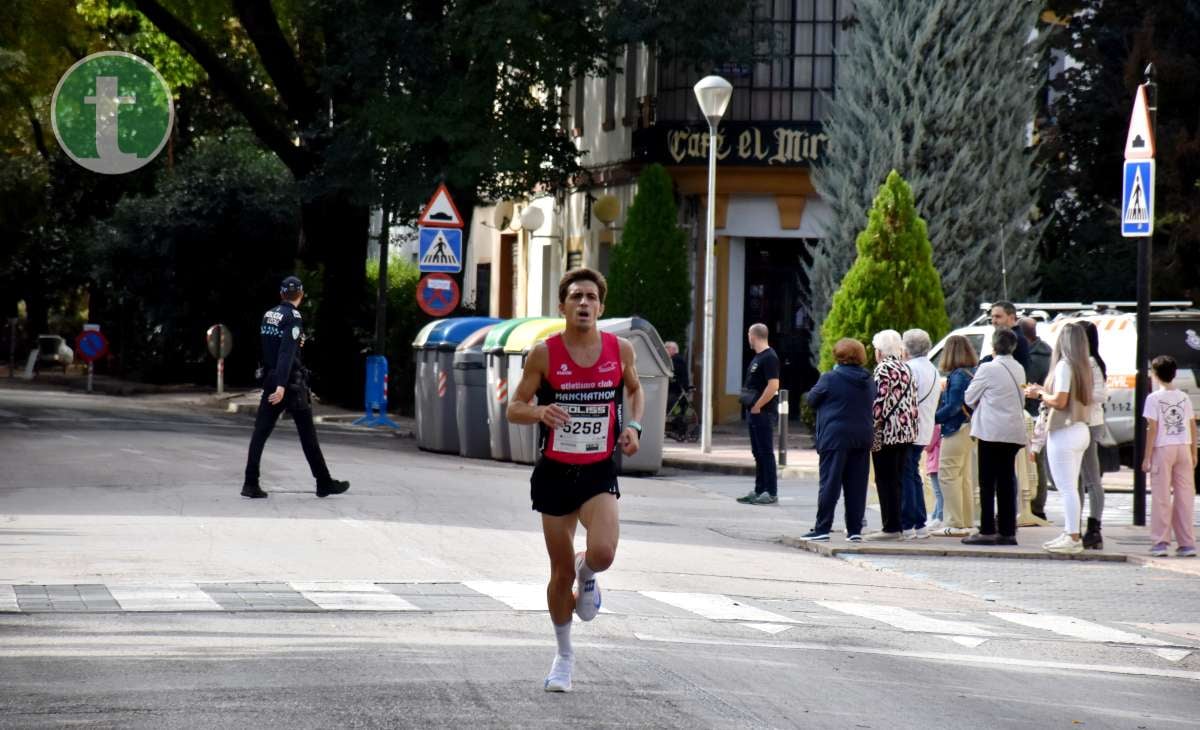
[(252, 490), (1091, 538), (333, 486)]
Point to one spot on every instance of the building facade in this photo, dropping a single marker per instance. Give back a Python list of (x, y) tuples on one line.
[(768, 214)]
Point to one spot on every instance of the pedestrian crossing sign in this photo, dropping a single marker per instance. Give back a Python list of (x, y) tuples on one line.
[(1137, 199), (440, 249)]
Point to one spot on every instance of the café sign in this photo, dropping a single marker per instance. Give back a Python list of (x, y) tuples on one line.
[(738, 143)]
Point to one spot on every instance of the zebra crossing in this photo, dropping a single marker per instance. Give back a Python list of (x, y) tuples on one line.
[(770, 616)]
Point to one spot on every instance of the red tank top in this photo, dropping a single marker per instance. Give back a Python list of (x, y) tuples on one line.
[(591, 395)]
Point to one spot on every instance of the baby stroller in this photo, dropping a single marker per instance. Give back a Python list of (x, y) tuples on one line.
[(683, 422)]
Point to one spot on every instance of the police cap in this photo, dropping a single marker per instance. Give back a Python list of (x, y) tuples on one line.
[(291, 285)]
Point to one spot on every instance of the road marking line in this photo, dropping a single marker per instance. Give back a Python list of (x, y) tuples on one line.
[(1171, 655), (8, 599), (769, 628), (8, 414), (134, 451), (993, 661), (520, 596), (351, 596), (175, 597), (718, 607), (69, 436), (1077, 628), (906, 620)]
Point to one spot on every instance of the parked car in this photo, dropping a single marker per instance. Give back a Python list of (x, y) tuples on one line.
[(53, 350)]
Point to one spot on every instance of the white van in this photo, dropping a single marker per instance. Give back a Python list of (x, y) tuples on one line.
[(1174, 331)]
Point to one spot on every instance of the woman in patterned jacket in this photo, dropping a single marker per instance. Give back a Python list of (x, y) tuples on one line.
[(896, 425)]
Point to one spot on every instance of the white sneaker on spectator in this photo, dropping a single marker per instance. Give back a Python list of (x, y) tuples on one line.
[(910, 534), (933, 525), (921, 533), (1066, 544)]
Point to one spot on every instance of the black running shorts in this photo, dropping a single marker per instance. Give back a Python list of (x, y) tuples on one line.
[(558, 489)]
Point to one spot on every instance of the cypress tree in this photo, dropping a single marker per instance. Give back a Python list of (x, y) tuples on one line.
[(648, 273), (893, 283), (943, 90)]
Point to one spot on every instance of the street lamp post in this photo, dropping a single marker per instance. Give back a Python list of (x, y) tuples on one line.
[(712, 93)]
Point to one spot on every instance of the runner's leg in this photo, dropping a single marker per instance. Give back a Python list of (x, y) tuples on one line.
[(601, 518), (559, 533)]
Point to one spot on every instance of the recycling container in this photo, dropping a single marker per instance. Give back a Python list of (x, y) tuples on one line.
[(523, 439), (471, 396), (434, 350), (654, 373), (496, 368)]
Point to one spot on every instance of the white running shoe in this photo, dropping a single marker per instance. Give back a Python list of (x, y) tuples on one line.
[(587, 592), (922, 533), (559, 678), (1065, 544), (1056, 541)]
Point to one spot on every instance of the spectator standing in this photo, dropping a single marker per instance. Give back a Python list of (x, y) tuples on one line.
[(955, 472), (894, 413), (1171, 462), (998, 421), (1036, 372), (843, 399), (758, 393), (682, 380), (925, 377), (932, 452), (1004, 316), (1090, 475), (1068, 393)]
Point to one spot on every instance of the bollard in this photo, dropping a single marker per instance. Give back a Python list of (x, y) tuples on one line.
[(783, 426)]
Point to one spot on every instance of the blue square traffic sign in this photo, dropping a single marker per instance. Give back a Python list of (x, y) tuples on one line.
[(1137, 199), (440, 249)]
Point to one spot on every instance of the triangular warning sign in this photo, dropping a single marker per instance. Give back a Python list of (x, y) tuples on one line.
[(440, 253), (440, 211), (1139, 143)]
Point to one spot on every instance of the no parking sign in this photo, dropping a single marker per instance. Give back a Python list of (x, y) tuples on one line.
[(437, 294)]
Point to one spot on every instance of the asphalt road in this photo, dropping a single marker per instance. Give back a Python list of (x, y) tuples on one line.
[(137, 589)]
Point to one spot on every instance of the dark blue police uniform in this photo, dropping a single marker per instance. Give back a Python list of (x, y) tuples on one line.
[(281, 333)]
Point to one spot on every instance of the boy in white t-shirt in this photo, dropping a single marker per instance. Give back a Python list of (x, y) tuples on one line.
[(1170, 461)]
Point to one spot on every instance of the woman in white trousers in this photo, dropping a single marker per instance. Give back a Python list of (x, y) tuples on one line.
[(1067, 393)]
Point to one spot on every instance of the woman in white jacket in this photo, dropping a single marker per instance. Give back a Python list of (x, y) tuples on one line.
[(998, 422), (1090, 474)]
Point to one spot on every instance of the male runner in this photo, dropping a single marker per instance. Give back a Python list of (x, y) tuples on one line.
[(580, 378)]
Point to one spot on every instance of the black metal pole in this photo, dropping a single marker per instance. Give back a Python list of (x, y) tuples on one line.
[(783, 426), (1145, 257), (381, 301)]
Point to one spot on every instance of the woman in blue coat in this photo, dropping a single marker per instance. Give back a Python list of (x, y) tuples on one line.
[(843, 398)]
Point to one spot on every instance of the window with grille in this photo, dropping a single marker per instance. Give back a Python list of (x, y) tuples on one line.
[(794, 71)]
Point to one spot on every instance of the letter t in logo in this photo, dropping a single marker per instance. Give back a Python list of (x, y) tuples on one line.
[(108, 104)]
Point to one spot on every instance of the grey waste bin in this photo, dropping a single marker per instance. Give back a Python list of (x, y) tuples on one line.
[(423, 363), (654, 373), (471, 397), (523, 438), (437, 428), (496, 366)]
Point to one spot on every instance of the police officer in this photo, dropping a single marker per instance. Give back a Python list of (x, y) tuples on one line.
[(285, 387)]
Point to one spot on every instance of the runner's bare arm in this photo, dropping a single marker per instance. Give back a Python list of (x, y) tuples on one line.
[(521, 409), (630, 438)]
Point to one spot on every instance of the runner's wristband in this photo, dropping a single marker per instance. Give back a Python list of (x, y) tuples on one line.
[(635, 426)]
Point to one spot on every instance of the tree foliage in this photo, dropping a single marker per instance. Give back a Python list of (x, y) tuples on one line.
[(648, 274), (942, 91), (893, 283), (209, 245), (1082, 132)]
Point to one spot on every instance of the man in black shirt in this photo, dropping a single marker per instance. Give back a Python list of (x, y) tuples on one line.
[(758, 394), (285, 388), (1004, 316)]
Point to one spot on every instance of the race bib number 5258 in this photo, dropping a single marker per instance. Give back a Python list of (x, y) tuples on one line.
[(587, 432)]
